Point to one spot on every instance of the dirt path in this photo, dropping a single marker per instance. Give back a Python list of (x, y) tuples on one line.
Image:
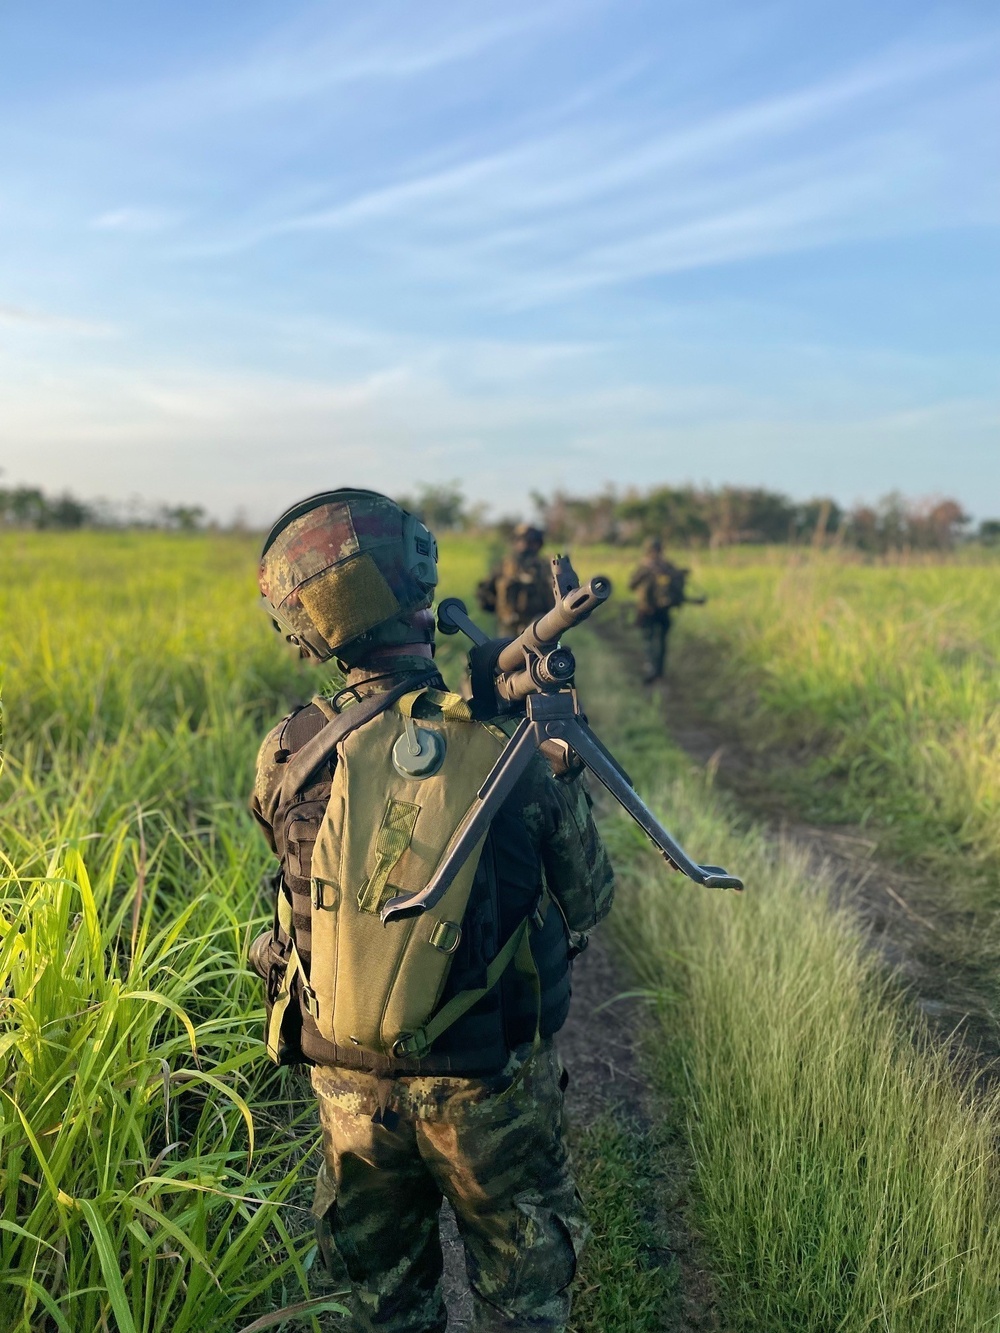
[(933, 951), (599, 1048)]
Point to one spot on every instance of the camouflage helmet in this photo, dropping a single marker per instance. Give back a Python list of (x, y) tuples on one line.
[(345, 571)]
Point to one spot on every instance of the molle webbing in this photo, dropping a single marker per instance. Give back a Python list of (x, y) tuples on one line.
[(394, 836)]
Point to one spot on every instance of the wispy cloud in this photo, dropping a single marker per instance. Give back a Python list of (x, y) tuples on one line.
[(326, 48), (135, 220), (599, 202), (42, 321), (170, 434), (401, 240)]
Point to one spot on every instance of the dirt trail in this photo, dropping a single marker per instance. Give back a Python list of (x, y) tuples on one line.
[(932, 950), (598, 1046)]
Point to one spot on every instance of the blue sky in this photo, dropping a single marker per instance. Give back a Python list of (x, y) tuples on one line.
[(250, 250)]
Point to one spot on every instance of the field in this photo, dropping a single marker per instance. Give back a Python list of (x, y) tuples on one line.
[(873, 689), (155, 1172)]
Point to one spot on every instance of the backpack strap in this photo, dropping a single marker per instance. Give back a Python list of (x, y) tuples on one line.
[(452, 707), (517, 950), (317, 751)]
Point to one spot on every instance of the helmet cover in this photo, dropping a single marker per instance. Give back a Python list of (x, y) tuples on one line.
[(527, 535), (345, 570)]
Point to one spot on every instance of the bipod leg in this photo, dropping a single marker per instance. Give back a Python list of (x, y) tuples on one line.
[(577, 734), (499, 784)]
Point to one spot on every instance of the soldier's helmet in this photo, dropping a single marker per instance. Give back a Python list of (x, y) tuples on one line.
[(528, 538), (652, 546), (345, 571)]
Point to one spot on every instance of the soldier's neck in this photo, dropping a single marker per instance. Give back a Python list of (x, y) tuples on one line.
[(402, 660)]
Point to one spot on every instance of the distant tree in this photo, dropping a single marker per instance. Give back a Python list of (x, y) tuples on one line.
[(863, 528), (28, 507), (67, 512), (444, 508), (676, 514), (578, 520), (817, 521), (898, 524), (769, 516), (940, 524), (989, 532), (183, 518)]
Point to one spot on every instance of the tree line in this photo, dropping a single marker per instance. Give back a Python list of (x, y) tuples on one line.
[(722, 516), (680, 515), (30, 507), (734, 515)]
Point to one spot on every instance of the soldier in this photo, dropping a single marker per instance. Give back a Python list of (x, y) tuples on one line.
[(660, 588), (520, 589), (474, 1114)]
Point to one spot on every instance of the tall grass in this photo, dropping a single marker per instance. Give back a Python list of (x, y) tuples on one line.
[(847, 1183), (150, 1162), (878, 681), (153, 1169)]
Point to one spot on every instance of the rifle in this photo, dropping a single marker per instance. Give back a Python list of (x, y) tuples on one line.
[(682, 593), (531, 677)]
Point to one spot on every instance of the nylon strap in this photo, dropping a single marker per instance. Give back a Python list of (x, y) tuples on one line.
[(281, 1001), (317, 751), (516, 950), (285, 914), (453, 707), (394, 836)]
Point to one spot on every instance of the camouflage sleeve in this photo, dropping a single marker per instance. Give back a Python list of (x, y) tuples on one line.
[(577, 869), (577, 866), (637, 577), (265, 781)]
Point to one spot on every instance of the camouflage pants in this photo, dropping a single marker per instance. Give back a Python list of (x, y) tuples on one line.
[(497, 1155), (654, 638)]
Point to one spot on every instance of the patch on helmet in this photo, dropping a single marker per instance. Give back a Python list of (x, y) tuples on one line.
[(349, 599)]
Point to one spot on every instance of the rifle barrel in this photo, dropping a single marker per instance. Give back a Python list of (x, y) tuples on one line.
[(543, 634)]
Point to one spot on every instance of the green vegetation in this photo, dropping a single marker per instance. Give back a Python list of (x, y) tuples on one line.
[(139, 1190), (872, 689), (627, 1281), (733, 515), (845, 1182), (156, 1174)]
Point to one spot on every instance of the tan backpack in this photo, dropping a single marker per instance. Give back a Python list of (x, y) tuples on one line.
[(384, 833)]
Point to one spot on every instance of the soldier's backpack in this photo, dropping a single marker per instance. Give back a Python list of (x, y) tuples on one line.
[(523, 590), (663, 590), (402, 783)]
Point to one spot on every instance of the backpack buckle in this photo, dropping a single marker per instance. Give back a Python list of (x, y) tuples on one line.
[(446, 936), (310, 1002), (324, 895)]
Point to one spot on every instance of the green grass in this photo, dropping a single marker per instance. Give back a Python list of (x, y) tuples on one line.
[(872, 689), (139, 1189), (845, 1181), (155, 1172), (628, 1279)]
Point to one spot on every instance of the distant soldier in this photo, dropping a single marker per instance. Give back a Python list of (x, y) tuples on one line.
[(520, 589), (660, 588)]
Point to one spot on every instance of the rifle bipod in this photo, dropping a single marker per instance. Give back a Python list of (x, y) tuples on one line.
[(551, 712)]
